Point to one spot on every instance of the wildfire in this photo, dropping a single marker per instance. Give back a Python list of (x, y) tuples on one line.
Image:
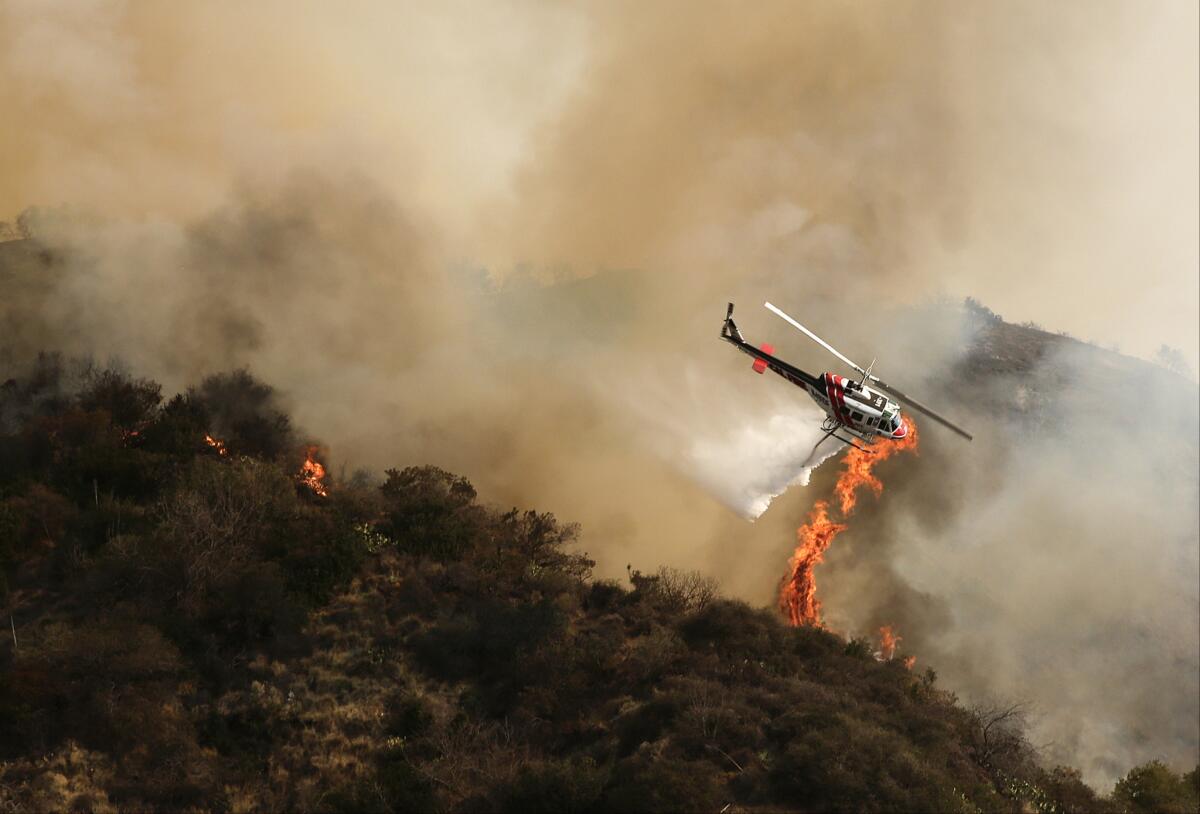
[(887, 647), (887, 643), (858, 466), (798, 599), (217, 444), (798, 596), (312, 473)]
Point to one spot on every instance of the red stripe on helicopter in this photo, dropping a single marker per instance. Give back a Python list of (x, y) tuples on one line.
[(837, 400)]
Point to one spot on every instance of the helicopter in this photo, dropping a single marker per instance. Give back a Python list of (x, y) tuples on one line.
[(867, 409)]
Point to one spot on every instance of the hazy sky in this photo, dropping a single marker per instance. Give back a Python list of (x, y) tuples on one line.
[(1042, 157)]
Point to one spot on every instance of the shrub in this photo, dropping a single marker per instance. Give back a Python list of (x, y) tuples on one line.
[(405, 789), (244, 414), (645, 782), (94, 679), (546, 787), (1154, 787), (178, 429), (318, 552), (407, 715), (859, 649), (840, 763), (128, 402), (430, 512), (735, 630), (676, 591), (529, 545), (646, 723), (649, 658), (604, 595), (1066, 792), (216, 522)]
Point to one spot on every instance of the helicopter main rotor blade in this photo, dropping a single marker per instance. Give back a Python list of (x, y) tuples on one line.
[(916, 405), (867, 375), (812, 336)]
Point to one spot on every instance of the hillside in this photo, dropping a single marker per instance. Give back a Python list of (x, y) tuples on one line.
[(196, 626)]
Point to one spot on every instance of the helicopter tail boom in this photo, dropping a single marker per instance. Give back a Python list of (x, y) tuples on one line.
[(764, 357)]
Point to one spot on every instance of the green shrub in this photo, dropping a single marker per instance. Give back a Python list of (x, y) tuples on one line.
[(1154, 787)]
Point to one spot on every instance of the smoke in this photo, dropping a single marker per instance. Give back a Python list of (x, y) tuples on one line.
[(1054, 563), (500, 239)]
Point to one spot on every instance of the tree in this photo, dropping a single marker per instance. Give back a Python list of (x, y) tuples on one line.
[(996, 734), (128, 402), (245, 415), (1153, 787), (430, 512)]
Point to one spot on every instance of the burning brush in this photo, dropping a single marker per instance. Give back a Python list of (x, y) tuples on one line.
[(888, 641), (312, 473), (217, 444)]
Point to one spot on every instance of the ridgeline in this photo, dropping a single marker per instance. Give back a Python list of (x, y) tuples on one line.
[(194, 627)]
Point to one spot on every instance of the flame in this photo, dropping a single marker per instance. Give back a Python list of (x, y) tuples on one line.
[(887, 643), (798, 596), (859, 463), (312, 473), (217, 444)]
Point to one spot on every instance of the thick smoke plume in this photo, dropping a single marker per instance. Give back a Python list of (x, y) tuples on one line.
[(500, 238)]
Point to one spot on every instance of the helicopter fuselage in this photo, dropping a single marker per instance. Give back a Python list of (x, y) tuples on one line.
[(865, 412), (857, 406)]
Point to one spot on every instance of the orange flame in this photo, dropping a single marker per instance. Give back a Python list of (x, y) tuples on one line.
[(217, 444), (859, 464), (887, 643), (798, 596), (312, 473)]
